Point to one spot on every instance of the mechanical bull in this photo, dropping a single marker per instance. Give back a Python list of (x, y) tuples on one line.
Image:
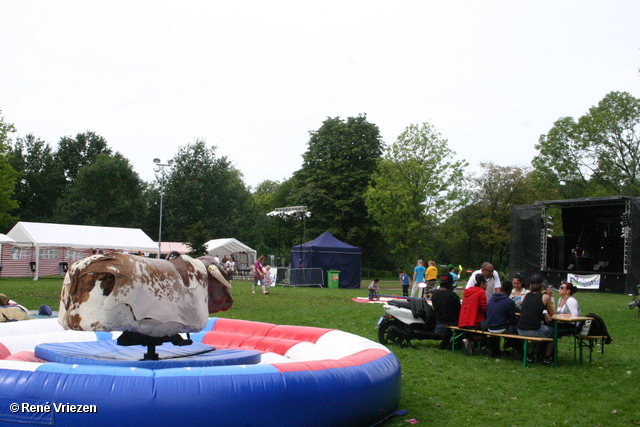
[(142, 296)]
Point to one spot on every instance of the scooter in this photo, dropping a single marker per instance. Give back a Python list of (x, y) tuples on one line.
[(406, 320)]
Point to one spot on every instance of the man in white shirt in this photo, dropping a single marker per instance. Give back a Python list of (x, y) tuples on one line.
[(492, 276)]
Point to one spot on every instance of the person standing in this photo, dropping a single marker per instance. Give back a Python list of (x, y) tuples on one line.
[(454, 276), (491, 276), (432, 276), (418, 277), (258, 274), (404, 282), (267, 281), (230, 268)]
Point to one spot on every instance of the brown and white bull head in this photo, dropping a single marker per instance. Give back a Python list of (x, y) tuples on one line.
[(154, 297)]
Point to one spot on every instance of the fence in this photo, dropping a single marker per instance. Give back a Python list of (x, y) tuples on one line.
[(300, 277)]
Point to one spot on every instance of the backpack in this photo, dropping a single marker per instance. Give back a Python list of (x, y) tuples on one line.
[(595, 327), (45, 310)]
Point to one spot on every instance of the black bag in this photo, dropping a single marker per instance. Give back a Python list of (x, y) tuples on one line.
[(594, 328)]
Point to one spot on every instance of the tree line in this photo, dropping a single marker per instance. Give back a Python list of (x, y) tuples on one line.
[(409, 199)]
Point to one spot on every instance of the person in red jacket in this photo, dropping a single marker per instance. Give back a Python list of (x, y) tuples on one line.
[(473, 311)]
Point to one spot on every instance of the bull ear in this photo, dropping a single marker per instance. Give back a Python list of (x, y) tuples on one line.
[(215, 272)]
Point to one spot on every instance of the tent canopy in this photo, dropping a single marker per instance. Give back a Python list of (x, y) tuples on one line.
[(81, 236), (329, 253), (6, 239), (40, 234), (222, 247), (168, 247)]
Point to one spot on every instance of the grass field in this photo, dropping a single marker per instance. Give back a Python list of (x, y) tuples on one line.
[(444, 389)]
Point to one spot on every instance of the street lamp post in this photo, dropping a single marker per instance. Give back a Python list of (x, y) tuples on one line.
[(160, 168)]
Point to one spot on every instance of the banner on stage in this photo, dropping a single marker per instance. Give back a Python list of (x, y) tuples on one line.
[(584, 281)]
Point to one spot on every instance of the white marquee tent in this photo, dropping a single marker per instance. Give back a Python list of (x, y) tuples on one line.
[(222, 247), (6, 239), (79, 236)]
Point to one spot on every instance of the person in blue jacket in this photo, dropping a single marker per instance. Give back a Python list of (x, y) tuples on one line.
[(501, 317)]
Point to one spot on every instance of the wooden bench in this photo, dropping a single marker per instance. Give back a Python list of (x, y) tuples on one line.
[(461, 332), (587, 341)]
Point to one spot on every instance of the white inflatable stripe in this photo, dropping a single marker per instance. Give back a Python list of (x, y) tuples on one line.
[(29, 342), (305, 351), (270, 358), (339, 344), (28, 327), (16, 365)]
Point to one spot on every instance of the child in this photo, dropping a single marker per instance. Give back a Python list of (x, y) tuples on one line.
[(266, 281), (404, 282), (374, 289)]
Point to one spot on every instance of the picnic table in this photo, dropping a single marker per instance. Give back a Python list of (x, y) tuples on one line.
[(564, 318)]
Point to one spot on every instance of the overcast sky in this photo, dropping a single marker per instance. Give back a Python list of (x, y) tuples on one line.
[(254, 77)]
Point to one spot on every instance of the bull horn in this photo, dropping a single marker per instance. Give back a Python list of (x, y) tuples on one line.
[(215, 272)]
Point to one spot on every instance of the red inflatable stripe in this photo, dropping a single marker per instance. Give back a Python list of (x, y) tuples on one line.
[(242, 327), (286, 332), (25, 356), (298, 333), (4, 351)]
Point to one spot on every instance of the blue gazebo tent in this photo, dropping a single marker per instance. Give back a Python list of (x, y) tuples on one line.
[(329, 253)]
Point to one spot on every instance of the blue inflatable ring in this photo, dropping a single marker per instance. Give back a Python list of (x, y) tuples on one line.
[(306, 377)]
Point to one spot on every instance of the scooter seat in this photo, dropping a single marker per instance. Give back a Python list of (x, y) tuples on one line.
[(402, 303)]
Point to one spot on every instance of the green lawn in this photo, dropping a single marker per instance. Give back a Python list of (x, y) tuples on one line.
[(444, 389)]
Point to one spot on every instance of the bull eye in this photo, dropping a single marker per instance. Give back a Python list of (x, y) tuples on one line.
[(107, 282)]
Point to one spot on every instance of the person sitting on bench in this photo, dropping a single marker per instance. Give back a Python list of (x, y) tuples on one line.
[(501, 319), (532, 317), (472, 311), (446, 304), (567, 304)]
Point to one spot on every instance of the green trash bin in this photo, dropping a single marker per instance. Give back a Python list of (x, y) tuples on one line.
[(333, 279)]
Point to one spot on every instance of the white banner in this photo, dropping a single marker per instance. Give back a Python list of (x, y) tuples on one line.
[(584, 281)]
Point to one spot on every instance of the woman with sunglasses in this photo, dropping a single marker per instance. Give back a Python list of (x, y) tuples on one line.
[(567, 304)]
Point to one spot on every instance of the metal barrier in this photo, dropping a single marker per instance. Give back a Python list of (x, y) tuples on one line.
[(301, 277)]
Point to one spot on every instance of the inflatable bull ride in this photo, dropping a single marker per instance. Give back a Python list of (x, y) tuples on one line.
[(134, 343)]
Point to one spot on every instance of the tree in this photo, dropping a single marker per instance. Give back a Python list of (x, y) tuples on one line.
[(417, 185), (336, 171), (8, 176), (75, 153), (599, 154), (197, 235), (41, 183), (206, 188), (106, 193)]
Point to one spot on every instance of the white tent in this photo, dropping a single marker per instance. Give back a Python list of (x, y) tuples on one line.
[(167, 247), (6, 239), (79, 236), (222, 247)]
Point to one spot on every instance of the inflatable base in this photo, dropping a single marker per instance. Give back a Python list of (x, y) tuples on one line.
[(109, 353), (312, 377)]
